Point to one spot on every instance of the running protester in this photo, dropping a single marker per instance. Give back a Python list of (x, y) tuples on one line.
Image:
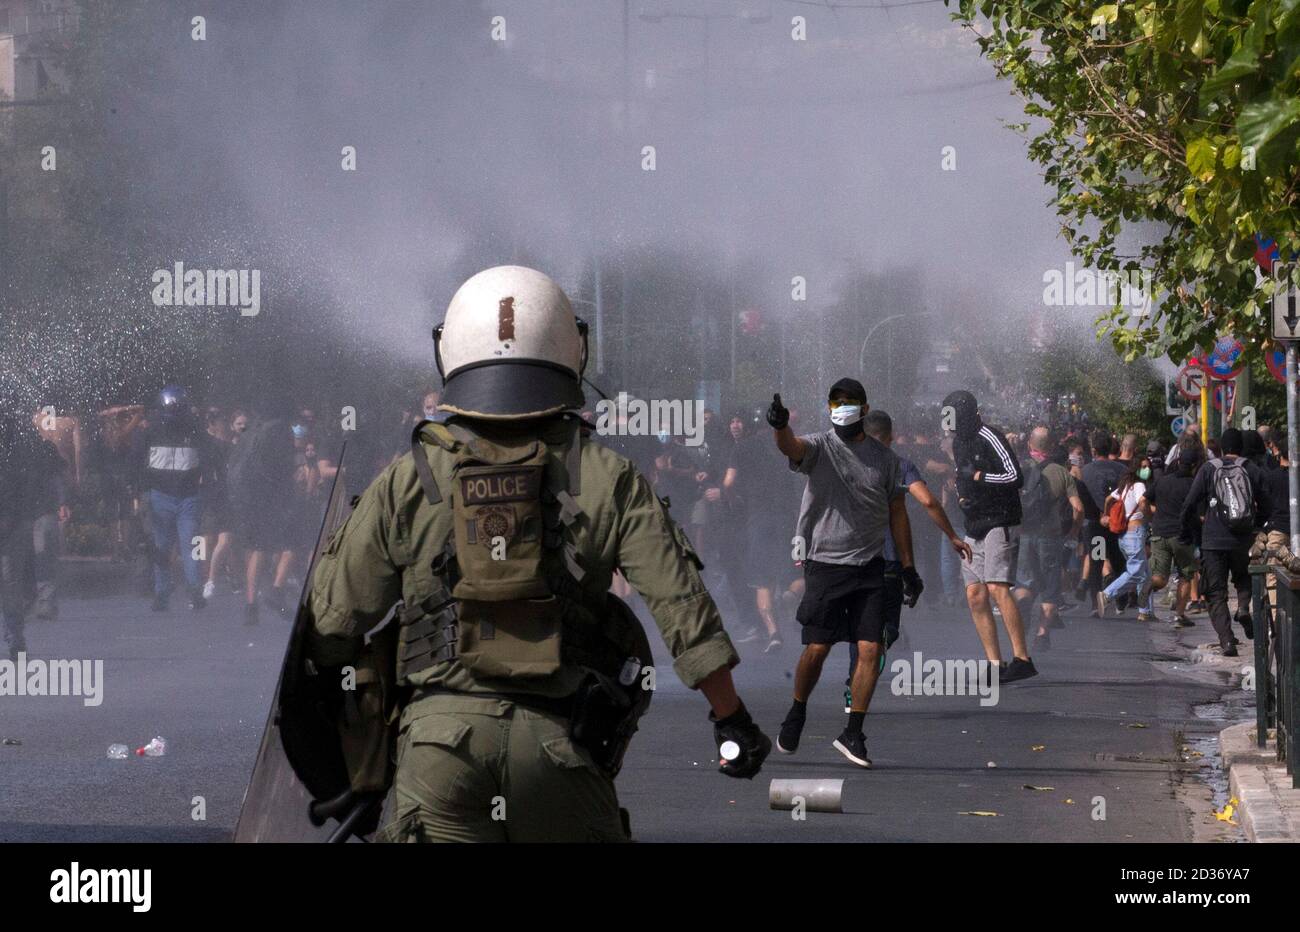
[(1169, 554), (1124, 514), (174, 453), (880, 426), (1237, 496), (988, 488), (1051, 513), (1099, 479), (854, 494)]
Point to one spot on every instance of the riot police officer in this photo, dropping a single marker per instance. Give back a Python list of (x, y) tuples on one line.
[(499, 535)]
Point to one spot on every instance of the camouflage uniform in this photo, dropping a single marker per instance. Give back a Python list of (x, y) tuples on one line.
[(479, 767)]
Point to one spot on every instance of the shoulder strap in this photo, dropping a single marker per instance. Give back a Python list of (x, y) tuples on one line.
[(421, 459)]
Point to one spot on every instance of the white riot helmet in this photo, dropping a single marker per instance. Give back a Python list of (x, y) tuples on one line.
[(510, 347)]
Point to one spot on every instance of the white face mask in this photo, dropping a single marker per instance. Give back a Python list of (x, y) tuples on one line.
[(845, 415)]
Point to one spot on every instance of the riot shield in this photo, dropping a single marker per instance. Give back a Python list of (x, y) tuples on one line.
[(299, 738)]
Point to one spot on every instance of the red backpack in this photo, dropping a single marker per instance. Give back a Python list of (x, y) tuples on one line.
[(1115, 519)]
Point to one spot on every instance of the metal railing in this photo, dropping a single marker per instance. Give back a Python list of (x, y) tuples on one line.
[(1277, 662)]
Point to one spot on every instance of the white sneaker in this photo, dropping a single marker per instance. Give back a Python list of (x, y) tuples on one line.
[(209, 588)]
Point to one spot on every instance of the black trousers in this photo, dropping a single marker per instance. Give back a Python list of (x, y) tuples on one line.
[(1217, 566), (1095, 582)]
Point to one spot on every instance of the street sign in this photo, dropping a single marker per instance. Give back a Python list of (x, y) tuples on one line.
[(1191, 378), (1275, 359), (1286, 305), (1224, 390), (1178, 425), (1225, 360), (1173, 398)]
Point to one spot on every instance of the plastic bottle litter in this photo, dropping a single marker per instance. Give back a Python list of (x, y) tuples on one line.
[(118, 752), (155, 748)]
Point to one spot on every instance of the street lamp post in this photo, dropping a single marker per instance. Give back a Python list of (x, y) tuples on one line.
[(862, 354)]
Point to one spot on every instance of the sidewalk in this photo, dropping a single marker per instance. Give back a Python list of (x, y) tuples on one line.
[(1268, 808)]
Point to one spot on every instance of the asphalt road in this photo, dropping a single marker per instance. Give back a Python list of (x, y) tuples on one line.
[(1109, 714)]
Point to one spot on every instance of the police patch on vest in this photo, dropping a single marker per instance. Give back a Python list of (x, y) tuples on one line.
[(515, 485), (489, 522)]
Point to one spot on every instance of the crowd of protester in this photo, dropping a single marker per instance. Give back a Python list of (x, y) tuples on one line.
[(230, 500)]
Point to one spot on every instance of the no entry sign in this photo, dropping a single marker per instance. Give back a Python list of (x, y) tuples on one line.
[(1191, 378)]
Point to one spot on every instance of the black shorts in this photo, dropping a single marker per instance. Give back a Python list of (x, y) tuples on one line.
[(843, 603)]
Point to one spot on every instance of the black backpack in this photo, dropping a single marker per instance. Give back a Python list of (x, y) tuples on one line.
[(1233, 497), (1036, 508)]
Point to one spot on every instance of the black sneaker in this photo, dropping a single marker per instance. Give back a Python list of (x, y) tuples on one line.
[(1182, 621), (197, 602), (1229, 651), (787, 741), (854, 747), (1247, 625), (1017, 669), (159, 604), (1042, 642)]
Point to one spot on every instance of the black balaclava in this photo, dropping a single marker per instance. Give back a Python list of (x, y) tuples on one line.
[(1230, 441), (849, 388), (963, 403)]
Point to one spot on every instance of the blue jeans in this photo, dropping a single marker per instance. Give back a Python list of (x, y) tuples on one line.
[(1137, 571), (175, 520)]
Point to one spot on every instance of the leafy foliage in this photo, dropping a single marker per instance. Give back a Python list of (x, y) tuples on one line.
[(1175, 123)]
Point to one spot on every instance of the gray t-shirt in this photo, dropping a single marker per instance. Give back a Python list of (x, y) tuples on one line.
[(845, 510)]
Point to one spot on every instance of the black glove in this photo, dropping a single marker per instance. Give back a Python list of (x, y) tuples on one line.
[(754, 745), (967, 472), (912, 586), (778, 415)]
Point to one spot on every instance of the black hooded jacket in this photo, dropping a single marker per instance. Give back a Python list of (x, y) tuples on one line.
[(993, 500)]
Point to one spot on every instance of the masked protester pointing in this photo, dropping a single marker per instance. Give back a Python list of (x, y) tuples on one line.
[(854, 494), (521, 677)]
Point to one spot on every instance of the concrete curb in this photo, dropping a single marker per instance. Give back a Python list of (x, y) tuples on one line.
[(1268, 808)]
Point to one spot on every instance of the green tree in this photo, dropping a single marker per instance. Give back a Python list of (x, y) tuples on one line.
[(1172, 123)]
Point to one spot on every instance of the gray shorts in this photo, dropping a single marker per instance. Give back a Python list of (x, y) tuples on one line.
[(993, 559)]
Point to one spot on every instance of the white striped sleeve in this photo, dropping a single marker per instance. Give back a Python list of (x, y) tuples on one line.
[(1009, 475)]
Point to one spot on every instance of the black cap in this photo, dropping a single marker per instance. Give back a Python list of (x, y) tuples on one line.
[(851, 388)]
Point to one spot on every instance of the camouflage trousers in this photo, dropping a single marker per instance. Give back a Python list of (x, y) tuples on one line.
[(480, 769)]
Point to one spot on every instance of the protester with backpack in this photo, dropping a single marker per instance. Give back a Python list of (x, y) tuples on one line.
[(1124, 514), (1238, 504), (1050, 512)]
